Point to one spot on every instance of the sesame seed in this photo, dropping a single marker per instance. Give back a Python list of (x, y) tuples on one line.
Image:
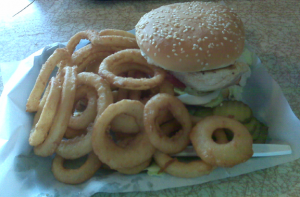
[(168, 56), (175, 54), (155, 54), (206, 64), (225, 38), (200, 48), (173, 50), (198, 60), (179, 43), (148, 49)]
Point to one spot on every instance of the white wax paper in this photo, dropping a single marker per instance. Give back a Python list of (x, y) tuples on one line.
[(24, 174)]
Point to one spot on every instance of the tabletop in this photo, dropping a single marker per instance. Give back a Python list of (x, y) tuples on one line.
[(272, 30)]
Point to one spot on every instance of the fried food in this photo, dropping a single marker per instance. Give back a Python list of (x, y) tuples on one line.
[(181, 169), (83, 119), (180, 140), (137, 152), (111, 63), (41, 128), (76, 147), (238, 150), (42, 79), (75, 176), (63, 114), (107, 102)]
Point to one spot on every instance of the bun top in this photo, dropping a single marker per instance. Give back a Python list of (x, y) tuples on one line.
[(192, 36)]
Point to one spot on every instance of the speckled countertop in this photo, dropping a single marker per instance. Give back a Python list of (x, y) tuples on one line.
[(272, 29)]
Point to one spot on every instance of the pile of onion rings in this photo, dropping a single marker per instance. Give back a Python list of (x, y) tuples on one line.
[(107, 103)]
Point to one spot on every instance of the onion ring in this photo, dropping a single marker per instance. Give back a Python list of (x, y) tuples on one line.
[(63, 114), (84, 56), (43, 125), (89, 114), (75, 176), (180, 169), (40, 109), (74, 40), (113, 61), (96, 39), (105, 97), (41, 81), (116, 32), (112, 154), (76, 147), (112, 40), (180, 140), (238, 150)]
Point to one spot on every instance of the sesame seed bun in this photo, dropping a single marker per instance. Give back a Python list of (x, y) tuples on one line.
[(192, 36)]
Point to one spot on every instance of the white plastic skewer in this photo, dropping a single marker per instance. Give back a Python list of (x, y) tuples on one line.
[(260, 150)]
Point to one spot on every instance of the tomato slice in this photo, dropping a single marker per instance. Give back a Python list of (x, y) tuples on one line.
[(175, 81)]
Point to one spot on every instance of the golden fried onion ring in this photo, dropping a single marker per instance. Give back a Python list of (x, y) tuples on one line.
[(75, 176), (41, 81), (62, 116), (96, 39), (112, 62), (88, 115), (76, 147), (180, 140), (48, 112), (105, 97), (137, 152), (84, 56), (180, 169), (238, 150), (116, 32)]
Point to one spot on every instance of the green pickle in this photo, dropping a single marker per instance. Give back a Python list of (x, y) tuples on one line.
[(234, 109), (251, 126), (263, 135), (204, 112)]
